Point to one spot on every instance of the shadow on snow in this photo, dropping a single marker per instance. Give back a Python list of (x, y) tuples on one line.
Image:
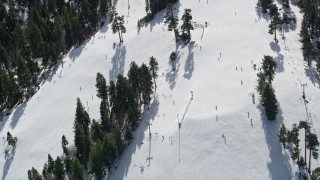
[(278, 165), (118, 62), (139, 136)]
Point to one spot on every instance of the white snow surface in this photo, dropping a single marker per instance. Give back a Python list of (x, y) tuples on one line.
[(216, 139)]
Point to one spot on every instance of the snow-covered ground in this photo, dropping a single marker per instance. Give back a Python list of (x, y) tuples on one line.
[(216, 139)]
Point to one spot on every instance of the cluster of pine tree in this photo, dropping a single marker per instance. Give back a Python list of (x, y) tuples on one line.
[(99, 143), (290, 140), (31, 29), (172, 22), (310, 31), (264, 87), (152, 8)]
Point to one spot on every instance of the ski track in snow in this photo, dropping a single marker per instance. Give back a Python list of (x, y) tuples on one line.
[(212, 143)]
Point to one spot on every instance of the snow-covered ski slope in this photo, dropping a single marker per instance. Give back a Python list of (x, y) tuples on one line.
[(216, 139)]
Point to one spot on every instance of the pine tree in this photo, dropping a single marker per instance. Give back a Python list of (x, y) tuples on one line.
[(24, 76), (112, 13), (265, 4), (64, 143), (96, 160), (77, 169), (171, 20), (146, 83), (274, 13), (153, 63), (306, 127), (103, 8), (113, 96), (187, 25), (58, 169), (261, 82), (50, 166), (173, 57), (101, 85), (315, 174), (269, 66), (109, 151), (82, 116), (105, 116), (116, 136), (269, 101), (33, 174), (118, 26), (312, 145), (134, 79), (283, 135), (96, 132), (82, 143), (295, 140)]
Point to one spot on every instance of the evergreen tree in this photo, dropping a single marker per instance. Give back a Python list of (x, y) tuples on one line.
[(274, 13), (113, 95), (306, 127), (96, 132), (96, 160), (295, 140), (146, 83), (283, 135), (265, 4), (171, 20), (269, 101), (64, 143), (50, 166), (112, 13), (269, 66), (116, 136), (173, 57), (23, 72), (134, 79), (77, 170), (153, 63), (101, 85), (312, 145), (103, 8), (187, 25), (261, 82), (118, 26), (316, 174), (109, 151), (82, 116), (33, 174), (58, 169), (82, 143), (105, 116)]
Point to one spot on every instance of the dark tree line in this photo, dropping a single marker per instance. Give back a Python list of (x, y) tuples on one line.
[(99, 143), (290, 139), (310, 31), (44, 30), (264, 87)]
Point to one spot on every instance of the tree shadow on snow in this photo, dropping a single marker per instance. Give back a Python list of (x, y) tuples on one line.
[(189, 66), (139, 137), (275, 47), (280, 64), (118, 62), (278, 165), (18, 112), (260, 14), (157, 20), (8, 160), (76, 51), (313, 75), (172, 75)]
